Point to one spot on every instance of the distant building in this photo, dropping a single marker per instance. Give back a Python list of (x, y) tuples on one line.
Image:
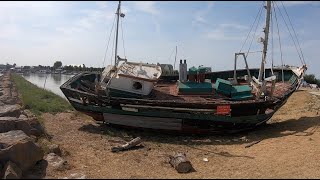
[(2, 66), (313, 86)]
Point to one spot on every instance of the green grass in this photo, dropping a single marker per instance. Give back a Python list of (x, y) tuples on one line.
[(38, 100)]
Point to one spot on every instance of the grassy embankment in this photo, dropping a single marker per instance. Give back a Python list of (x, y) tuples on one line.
[(38, 100)]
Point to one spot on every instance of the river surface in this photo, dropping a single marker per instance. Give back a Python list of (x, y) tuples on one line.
[(50, 82)]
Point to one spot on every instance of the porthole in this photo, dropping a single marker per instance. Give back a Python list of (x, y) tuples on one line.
[(137, 85)]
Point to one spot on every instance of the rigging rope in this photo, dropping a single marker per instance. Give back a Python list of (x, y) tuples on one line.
[(275, 15), (294, 32), (289, 32), (171, 53), (251, 27), (105, 55), (254, 34)]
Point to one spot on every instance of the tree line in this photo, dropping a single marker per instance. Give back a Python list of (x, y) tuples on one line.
[(58, 64), (311, 79)]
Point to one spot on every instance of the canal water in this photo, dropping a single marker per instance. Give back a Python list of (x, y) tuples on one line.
[(50, 82)]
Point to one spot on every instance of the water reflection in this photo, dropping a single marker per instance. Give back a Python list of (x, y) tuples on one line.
[(50, 82)]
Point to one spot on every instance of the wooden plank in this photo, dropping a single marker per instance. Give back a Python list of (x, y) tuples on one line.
[(169, 108), (75, 100), (144, 122)]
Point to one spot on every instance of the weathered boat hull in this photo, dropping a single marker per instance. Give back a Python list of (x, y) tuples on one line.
[(198, 118), (170, 122)]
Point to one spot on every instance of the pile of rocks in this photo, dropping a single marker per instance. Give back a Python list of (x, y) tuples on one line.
[(21, 139), (18, 151)]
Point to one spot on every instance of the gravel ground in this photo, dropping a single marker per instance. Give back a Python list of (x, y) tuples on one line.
[(287, 147)]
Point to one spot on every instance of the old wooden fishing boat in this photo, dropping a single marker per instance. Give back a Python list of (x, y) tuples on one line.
[(136, 94)]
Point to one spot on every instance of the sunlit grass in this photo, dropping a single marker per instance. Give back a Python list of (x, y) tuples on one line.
[(39, 100)]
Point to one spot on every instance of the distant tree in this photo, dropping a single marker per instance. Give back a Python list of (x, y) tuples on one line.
[(311, 79), (75, 68), (57, 64)]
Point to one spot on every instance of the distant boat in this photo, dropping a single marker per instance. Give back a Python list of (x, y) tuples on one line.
[(42, 71), (136, 94)]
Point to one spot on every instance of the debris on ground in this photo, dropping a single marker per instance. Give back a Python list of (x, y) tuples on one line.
[(133, 143), (180, 163)]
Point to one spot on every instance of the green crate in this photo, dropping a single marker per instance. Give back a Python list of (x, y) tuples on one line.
[(195, 88), (223, 86), (241, 92), (202, 69), (193, 70)]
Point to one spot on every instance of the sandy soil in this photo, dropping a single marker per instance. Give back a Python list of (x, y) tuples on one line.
[(288, 147)]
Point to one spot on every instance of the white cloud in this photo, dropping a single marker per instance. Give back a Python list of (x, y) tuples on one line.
[(219, 34), (234, 26), (228, 31), (23, 4), (9, 31), (90, 19), (150, 8), (102, 4), (295, 3), (199, 16), (69, 30), (147, 6)]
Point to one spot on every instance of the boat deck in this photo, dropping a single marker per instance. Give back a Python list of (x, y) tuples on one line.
[(169, 91)]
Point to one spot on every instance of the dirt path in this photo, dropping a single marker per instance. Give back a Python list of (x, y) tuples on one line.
[(289, 147)]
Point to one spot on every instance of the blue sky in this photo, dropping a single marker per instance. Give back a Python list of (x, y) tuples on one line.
[(206, 32)]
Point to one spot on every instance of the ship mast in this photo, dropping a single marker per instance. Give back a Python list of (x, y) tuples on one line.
[(265, 42), (116, 48)]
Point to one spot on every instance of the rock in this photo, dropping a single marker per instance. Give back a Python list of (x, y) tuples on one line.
[(54, 148), (56, 162), (12, 171), (77, 176), (30, 126), (28, 113), (17, 147), (10, 110), (22, 116), (205, 159)]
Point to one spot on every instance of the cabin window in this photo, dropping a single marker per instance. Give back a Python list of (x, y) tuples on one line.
[(137, 85)]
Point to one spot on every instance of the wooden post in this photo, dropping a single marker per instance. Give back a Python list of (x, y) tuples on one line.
[(128, 145), (180, 163)]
